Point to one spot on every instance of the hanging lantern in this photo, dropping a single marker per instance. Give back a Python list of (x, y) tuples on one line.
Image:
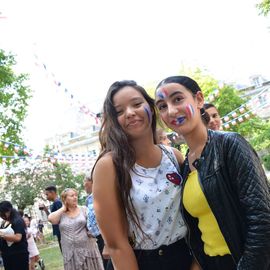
[(234, 122), (216, 92), (211, 98), (234, 114), (242, 109), (16, 148), (221, 85), (227, 125), (240, 119), (247, 116), (226, 118)]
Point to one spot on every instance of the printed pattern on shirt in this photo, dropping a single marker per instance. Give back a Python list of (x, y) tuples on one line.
[(155, 195)]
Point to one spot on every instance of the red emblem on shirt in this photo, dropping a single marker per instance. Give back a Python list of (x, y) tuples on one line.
[(174, 178)]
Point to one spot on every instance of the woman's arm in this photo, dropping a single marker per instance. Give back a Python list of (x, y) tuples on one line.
[(11, 237), (195, 266), (178, 156), (111, 216), (55, 217)]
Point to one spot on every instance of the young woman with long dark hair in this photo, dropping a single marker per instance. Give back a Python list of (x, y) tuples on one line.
[(13, 246), (226, 200), (136, 186)]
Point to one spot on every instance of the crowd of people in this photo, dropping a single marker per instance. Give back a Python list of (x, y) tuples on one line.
[(148, 206)]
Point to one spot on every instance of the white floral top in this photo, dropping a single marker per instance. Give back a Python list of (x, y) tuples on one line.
[(155, 194)]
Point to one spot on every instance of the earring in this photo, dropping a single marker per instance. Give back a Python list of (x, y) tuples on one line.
[(202, 110)]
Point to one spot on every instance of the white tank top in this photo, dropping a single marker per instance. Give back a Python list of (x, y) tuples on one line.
[(155, 194)]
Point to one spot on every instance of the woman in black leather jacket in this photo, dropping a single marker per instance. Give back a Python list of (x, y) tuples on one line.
[(226, 200)]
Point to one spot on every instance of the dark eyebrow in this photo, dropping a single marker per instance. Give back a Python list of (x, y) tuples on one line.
[(132, 100)]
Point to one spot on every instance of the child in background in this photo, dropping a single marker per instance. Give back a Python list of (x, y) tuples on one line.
[(32, 247)]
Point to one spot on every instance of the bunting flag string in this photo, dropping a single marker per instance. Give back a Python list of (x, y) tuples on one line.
[(79, 163), (259, 99), (16, 147), (55, 157), (245, 116), (50, 75), (212, 96)]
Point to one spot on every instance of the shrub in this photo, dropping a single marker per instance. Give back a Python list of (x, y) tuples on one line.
[(266, 161)]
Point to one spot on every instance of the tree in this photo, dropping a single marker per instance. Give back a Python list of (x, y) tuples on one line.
[(14, 100), (26, 185), (264, 7)]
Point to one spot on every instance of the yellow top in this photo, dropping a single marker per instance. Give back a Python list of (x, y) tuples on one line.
[(197, 206)]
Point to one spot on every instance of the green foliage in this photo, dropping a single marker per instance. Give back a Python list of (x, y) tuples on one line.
[(266, 162), (27, 185), (264, 7), (14, 98)]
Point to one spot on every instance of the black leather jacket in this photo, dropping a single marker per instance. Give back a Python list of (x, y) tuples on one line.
[(236, 188)]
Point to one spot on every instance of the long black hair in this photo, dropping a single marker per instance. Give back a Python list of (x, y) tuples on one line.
[(113, 139), (5, 207)]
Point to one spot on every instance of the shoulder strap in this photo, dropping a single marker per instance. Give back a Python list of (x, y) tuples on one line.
[(171, 156)]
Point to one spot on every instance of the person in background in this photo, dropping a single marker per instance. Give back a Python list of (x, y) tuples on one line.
[(79, 248), (136, 186), (51, 194), (40, 235), (226, 199), (162, 137), (13, 246), (32, 247), (215, 121), (91, 219)]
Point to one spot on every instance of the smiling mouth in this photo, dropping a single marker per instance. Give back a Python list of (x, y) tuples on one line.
[(133, 123)]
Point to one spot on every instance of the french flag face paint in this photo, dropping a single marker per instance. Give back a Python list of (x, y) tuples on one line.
[(162, 93), (148, 112), (179, 121), (190, 111)]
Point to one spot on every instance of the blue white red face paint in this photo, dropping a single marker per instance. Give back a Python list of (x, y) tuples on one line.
[(190, 111), (148, 112), (179, 120), (162, 93)]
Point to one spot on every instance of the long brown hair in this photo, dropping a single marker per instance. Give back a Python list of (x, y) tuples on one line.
[(113, 139)]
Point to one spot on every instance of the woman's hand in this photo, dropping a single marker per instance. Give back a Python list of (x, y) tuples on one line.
[(195, 266), (105, 253)]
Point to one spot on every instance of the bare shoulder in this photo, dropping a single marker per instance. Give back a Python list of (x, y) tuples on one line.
[(178, 155), (105, 162), (104, 172)]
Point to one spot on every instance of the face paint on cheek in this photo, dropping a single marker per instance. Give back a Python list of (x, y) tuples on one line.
[(190, 111), (180, 120), (148, 112)]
